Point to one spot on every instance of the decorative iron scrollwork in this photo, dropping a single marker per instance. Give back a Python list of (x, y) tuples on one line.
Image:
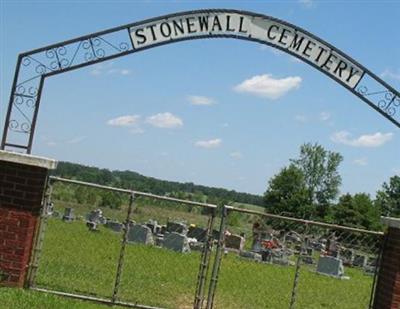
[(389, 103)]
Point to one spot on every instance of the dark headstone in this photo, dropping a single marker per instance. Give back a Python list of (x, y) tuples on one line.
[(68, 215)]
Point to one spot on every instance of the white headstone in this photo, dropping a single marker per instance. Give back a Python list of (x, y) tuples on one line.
[(140, 234), (177, 242), (329, 265)]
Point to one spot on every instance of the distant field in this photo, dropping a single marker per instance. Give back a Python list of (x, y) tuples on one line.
[(249, 206)]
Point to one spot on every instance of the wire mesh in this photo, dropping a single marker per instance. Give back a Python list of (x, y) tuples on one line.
[(141, 249), (273, 262), (79, 254), (164, 258), (125, 246)]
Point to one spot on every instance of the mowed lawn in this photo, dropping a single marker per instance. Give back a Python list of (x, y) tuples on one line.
[(78, 261)]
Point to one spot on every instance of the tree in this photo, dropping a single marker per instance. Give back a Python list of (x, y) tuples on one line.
[(320, 169), (111, 199), (357, 211), (287, 193), (388, 199)]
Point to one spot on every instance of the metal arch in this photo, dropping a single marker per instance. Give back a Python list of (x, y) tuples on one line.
[(34, 66)]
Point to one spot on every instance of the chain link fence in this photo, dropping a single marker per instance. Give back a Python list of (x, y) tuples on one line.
[(137, 249), (122, 247), (270, 261)]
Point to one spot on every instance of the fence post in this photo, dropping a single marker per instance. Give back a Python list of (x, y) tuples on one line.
[(297, 271), (204, 263), (218, 258), (38, 243), (122, 250)]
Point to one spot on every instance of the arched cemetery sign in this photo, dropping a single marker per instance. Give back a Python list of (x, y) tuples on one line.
[(34, 66)]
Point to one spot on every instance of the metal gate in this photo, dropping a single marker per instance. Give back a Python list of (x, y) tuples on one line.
[(122, 260), (260, 260), (285, 263)]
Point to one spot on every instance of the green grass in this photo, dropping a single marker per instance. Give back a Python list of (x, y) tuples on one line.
[(78, 261), (25, 299)]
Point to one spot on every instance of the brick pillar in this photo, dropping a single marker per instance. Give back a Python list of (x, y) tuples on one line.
[(22, 184), (387, 292)]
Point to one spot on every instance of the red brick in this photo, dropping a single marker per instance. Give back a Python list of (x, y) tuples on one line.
[(16, 180), (21, 191)]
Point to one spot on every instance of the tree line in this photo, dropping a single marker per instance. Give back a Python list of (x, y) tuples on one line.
[(135, 181)]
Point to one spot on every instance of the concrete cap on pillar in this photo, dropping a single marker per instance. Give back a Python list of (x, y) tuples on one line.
[(391, 222), (26, 159)]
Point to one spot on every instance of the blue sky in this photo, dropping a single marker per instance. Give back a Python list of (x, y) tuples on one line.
[(194, 111)]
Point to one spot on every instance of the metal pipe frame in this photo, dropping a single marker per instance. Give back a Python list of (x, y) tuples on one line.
[(218, 258), (122, 250), (101, 46), (204, 264), (39, 237), (204, 260)]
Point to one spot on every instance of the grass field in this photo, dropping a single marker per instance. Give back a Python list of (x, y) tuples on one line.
[(78, 261)]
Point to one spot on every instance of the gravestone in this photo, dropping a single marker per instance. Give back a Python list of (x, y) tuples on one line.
[(347, 256), (177, 227), (55, 214), (251, 255), (234, 241), (159, 240), (103, 220), (176, 241), (360, 260), (196, 246), (154, 226), (278, 256), (197, 232), (115, 226), (140, 234), (94, 216), (331, 266), (68, 215), (308, 259), (92, 226), (50, 209)]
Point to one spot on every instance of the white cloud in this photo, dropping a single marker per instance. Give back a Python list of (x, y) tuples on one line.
[(307, 3), (390, 74), (200, 100), (324, 116), (165, 120), (76, 140), (212, 143), (225, 125), (301, 118), (108, 68), (124, 121), (268, 87), (236, 155), (361, 161), (396, 171), (367, 140)]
